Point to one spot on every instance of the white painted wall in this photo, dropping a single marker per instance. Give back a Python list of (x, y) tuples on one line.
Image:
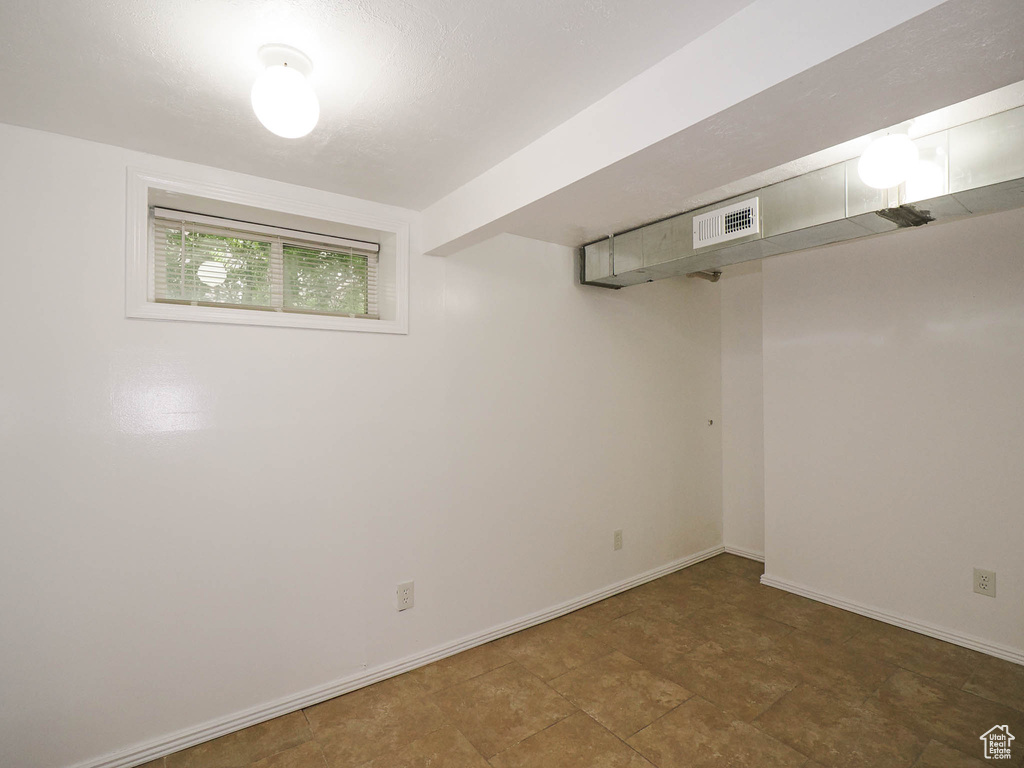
[(894, 432), (742, 409), (197, 519)]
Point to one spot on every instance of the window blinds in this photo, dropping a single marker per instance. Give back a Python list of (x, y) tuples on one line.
[(208, 261)]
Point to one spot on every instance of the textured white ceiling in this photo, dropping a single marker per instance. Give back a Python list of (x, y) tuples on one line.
[(417, 96), (955, 51)]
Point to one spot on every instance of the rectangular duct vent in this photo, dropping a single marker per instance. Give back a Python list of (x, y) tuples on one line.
[(728, 223)]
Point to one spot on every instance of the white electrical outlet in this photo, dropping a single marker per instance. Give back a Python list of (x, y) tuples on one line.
[(617, 539), (985, 582), (405, 596)]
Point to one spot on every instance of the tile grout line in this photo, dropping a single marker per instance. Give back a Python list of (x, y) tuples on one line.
[(925, 737), (536, 677), (444, 688), (626, 743), (576, 711), (666, 714), (732, 717)]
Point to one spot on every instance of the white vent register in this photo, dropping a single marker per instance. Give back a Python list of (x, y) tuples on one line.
[(730, 222)]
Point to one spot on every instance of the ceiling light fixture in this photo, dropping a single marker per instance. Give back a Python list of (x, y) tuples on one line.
[(888, 161), (282, 97), (927, 179)]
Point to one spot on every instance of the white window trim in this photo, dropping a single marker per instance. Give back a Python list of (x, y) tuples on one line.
[(138, 281)]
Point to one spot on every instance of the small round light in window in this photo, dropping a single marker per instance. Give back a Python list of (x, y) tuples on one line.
[(212, 273)]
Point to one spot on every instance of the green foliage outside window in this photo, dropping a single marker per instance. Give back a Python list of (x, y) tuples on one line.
[(325, 281), (245, 278), (228, 270)]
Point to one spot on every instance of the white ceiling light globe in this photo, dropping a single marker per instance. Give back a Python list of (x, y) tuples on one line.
[(282, 97), (888, 161), (284, 102), (926, 180)]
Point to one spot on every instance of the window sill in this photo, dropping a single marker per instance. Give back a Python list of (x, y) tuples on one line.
[(205, 314)]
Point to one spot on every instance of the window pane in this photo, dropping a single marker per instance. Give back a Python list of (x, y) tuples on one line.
[(325, 281), (216, 268)]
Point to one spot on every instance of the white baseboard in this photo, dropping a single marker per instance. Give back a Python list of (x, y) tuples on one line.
[(1015, 655), (747, 553), (151, 750)]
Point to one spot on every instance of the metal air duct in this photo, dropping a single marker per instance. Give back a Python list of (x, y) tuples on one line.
[(972, 169)]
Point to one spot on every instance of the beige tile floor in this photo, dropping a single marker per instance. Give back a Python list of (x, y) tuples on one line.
[(704, 667)]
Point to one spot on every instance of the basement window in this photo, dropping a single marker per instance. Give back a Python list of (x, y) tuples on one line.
[(213, 262), (213, 254)]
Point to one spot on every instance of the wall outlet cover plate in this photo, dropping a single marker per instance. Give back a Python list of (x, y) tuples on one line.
[(405, 596), (985, 582)]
